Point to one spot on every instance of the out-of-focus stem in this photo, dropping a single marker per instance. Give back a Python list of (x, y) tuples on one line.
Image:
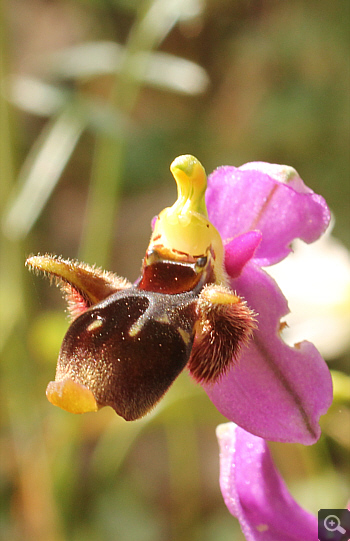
[(155, 19)]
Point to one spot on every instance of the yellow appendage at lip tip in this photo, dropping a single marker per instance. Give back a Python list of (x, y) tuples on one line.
[(185, 226), (71, 396)]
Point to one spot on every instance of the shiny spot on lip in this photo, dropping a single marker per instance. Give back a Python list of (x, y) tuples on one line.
[(186, 337), (136, 328), (96, 324)]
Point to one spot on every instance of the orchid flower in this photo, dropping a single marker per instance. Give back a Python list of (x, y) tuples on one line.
[(255, 493), (203, 302)]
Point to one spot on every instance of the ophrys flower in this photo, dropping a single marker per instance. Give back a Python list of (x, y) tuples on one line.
[(200, 302)]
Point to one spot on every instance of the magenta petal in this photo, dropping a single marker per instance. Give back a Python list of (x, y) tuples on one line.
[(243, 199), (281, 173), (240, 250), (255, 493), (275, 391)]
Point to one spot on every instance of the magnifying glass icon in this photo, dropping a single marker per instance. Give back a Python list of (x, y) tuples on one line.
[(332, 524)]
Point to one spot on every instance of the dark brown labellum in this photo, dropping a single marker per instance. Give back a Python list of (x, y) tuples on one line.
[(129, 348)]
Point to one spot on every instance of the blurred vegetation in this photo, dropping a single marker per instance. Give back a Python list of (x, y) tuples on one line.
[(97, 98)]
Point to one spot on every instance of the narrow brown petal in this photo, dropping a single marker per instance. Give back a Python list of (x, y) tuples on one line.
[(82, 285), (224, 324)]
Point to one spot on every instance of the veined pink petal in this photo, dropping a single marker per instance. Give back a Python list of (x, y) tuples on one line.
[(282, 173), (255, 493), (243, 199), (275, 391)]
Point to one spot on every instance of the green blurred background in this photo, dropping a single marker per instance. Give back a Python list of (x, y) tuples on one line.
[(97, 98)]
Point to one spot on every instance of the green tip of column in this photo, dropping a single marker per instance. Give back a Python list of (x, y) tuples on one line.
[(191, 183)]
